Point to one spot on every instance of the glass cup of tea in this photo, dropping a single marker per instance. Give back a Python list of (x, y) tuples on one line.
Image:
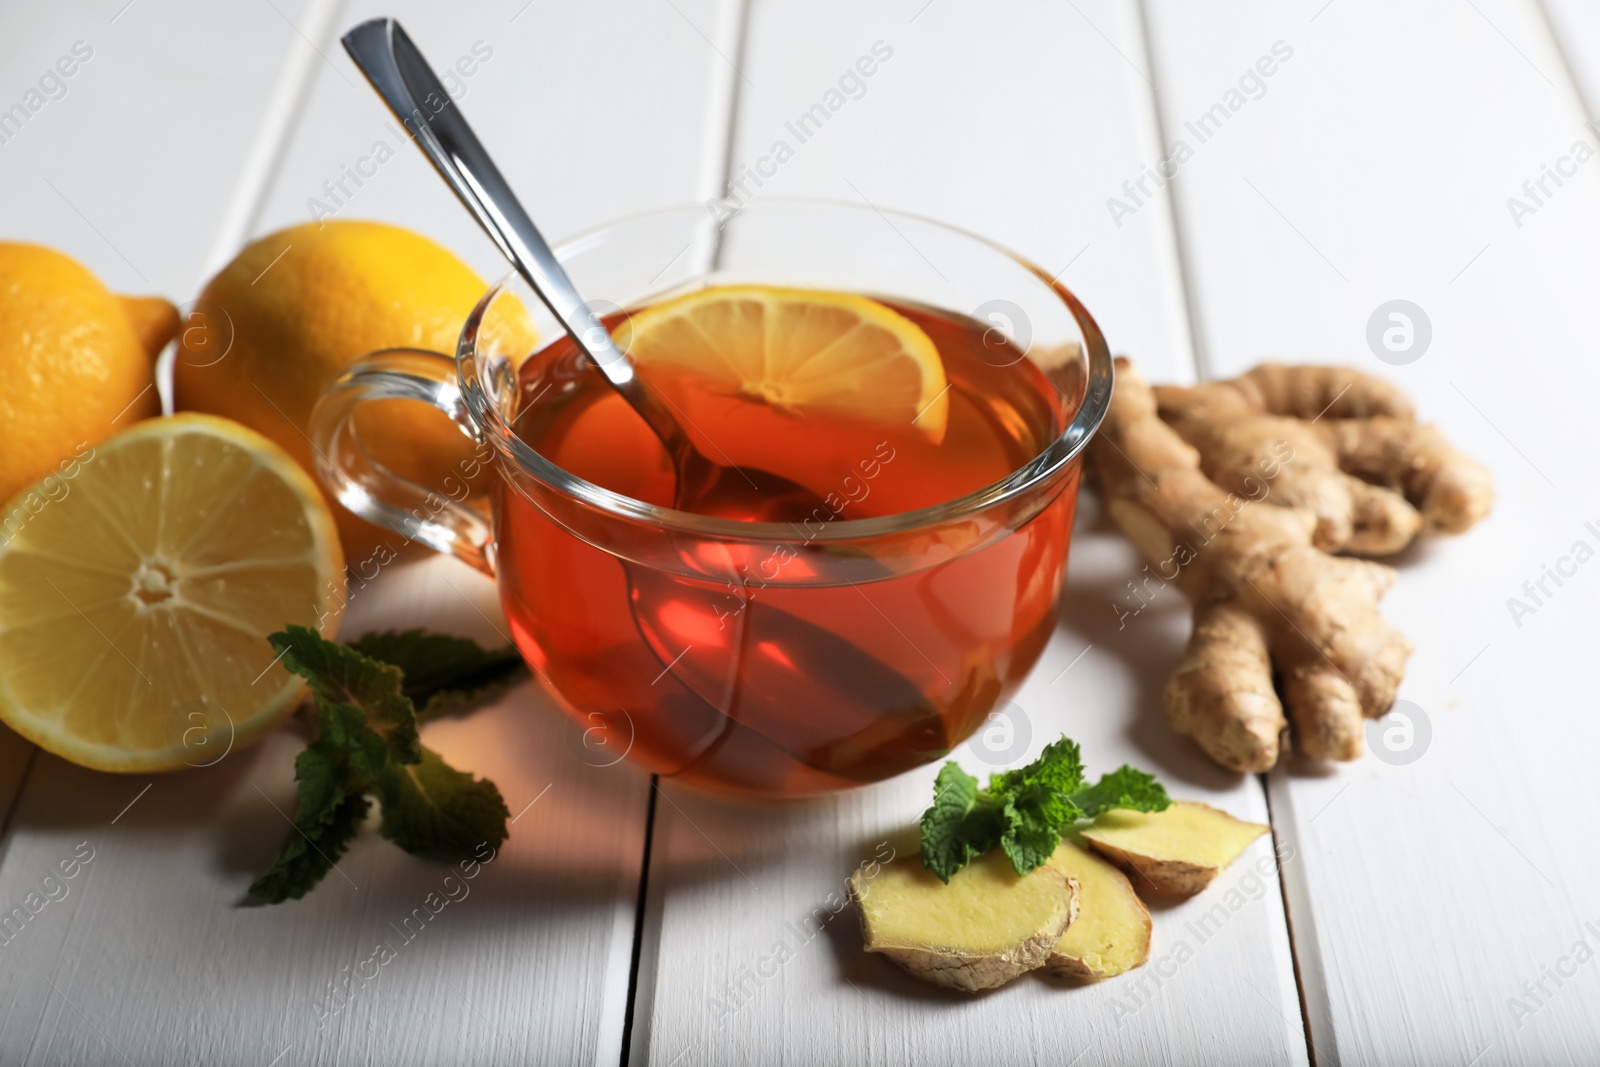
[(866, 637)]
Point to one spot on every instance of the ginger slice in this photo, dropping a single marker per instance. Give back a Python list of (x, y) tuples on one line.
[(1268, 601), (981, 930), (1179, 850), (1112, 931)]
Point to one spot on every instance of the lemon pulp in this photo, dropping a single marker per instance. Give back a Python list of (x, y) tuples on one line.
[(800, 350), (137, 595)]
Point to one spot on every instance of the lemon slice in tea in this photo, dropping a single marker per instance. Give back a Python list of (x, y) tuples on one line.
[(139, 584), (800, 350)]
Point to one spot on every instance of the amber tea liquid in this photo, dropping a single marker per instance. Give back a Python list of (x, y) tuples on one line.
[(765, 685)]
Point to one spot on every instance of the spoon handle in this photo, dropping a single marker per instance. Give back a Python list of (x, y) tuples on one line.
[(401, 76)]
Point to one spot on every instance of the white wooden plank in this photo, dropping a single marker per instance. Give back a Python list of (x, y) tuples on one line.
[(1021, 138), (1379, 166), (132, 168), (728, 886), (1575, 27), (149, 957)]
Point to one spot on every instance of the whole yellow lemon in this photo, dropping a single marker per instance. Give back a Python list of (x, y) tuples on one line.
[(296, 308), (73, 364)]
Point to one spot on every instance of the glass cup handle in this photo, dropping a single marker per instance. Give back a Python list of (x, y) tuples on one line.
[(372, 490)]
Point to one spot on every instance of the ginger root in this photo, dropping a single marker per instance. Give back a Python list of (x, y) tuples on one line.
[(1179, 850), (1341, 443), (1266, 597), (984, 928)]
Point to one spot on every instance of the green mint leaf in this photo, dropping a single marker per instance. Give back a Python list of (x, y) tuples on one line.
[(1059, 769), (311, 850), (355, 752), (443, 675), (432, 810), (959, 826), (1122, 788), (320, 774), (1024, 812), (342, 678), (1037, 803), (1030, 836)]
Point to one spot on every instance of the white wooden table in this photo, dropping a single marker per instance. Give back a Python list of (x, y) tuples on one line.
[(1427, 912)]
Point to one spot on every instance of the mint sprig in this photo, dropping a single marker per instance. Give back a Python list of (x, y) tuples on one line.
[(1024, 812), (365, 743)]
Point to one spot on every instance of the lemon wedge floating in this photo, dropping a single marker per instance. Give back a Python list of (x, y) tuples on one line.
[(800, 350), (137, 594)]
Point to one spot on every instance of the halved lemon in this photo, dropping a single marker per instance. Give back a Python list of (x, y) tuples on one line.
[(800, 350), (138, 586)]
